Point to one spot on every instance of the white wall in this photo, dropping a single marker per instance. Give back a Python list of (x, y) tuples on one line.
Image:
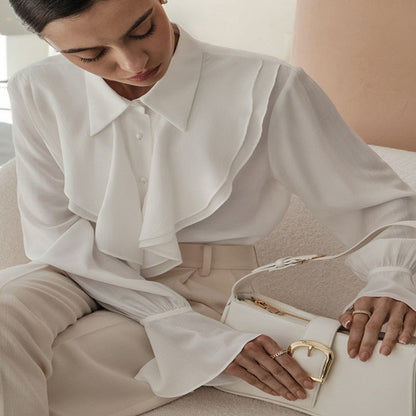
[(18, 47), (3, 58), (264, 26), (9, 25), (22, 50)]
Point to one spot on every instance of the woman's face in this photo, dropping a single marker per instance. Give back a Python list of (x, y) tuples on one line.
[(129, 43)]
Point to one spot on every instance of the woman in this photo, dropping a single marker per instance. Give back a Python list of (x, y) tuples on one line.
[(148, 163)]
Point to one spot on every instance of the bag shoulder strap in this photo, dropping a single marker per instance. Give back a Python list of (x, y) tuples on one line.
[(285, 262)]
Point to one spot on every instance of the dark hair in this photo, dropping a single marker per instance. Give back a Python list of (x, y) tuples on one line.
[(36, 14)]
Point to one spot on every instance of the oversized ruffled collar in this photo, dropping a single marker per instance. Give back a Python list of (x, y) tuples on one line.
[(171, 97), (199, 146)]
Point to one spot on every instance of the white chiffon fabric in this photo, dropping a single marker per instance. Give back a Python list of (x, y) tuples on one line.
[(394, 274), (231, 136)]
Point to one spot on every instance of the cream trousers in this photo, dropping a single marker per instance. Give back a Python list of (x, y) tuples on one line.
[(61, 354)]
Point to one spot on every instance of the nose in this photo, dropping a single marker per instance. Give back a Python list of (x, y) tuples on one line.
[(132, 60)]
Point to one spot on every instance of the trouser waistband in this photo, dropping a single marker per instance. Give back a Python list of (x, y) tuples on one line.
[(207, 257)]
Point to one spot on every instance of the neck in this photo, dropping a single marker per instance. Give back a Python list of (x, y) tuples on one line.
[(131, 92)]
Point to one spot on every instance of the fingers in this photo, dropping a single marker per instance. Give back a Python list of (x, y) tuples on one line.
[(373, 326), (357, 328), (286, 369), (409, 327), (346, 319), (365, 330), (394, 327), (239, 371), (280, 376), (274, 379)]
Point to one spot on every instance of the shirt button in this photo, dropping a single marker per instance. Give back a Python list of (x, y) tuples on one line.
[(143, 180), (139, 136), (138, 107)]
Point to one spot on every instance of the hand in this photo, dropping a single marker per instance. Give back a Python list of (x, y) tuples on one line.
[(364, 330), (281, 376)]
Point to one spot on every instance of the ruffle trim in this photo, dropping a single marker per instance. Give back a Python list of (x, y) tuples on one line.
[(191, 173), (190, 350)]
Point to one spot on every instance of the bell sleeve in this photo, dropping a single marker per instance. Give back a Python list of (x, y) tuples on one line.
[(190, 349), (346, 185)]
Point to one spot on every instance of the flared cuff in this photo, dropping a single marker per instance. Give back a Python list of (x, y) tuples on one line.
[(388, 265), (383, 253), (191, 350), (390, 281)]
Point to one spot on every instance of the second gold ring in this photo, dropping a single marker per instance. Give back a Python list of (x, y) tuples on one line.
[(359, 311), (279, 354)]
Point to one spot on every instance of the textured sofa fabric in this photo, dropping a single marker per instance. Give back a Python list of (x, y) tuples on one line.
[(322, 288), (11, 240)]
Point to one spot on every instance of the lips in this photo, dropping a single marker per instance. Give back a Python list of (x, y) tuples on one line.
[(143, 76)]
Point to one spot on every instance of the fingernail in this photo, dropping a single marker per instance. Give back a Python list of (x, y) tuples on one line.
[(385, 350), (347, 324), (291, 397), (308, 384), (403, 341), (364, 356), (301, 394), (353, 353)]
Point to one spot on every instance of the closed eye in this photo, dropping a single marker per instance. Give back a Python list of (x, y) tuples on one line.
[(96, 58), (145, 35), (104, 51)]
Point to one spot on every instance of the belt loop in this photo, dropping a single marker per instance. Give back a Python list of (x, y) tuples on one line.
[(206, 260)]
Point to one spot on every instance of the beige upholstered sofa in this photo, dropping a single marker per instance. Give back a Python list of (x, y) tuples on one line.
[(324, 290)]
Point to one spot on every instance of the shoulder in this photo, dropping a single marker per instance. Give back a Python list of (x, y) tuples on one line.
[(50, 74), (219, 60), (233, 56)]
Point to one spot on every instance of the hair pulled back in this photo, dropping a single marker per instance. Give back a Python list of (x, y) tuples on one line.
[(36, 14)]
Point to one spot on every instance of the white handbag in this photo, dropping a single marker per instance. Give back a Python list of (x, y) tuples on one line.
[(382, 386)]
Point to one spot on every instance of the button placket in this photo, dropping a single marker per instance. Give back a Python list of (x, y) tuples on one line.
[(140, 138), (141, 109)]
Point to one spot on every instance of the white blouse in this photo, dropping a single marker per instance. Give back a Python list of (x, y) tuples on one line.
[(107, 187)]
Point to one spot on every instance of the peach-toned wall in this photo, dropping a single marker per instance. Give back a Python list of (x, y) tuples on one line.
[(362, 52)]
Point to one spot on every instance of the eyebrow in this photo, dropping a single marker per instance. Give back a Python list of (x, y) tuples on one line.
[(137, 23)]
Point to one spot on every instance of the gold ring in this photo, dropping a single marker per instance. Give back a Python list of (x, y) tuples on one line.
[(368, 313), (279, 354)]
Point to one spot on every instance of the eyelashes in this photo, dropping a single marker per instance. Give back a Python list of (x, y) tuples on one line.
[(147, 34), (104, 51), (100, 55)]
